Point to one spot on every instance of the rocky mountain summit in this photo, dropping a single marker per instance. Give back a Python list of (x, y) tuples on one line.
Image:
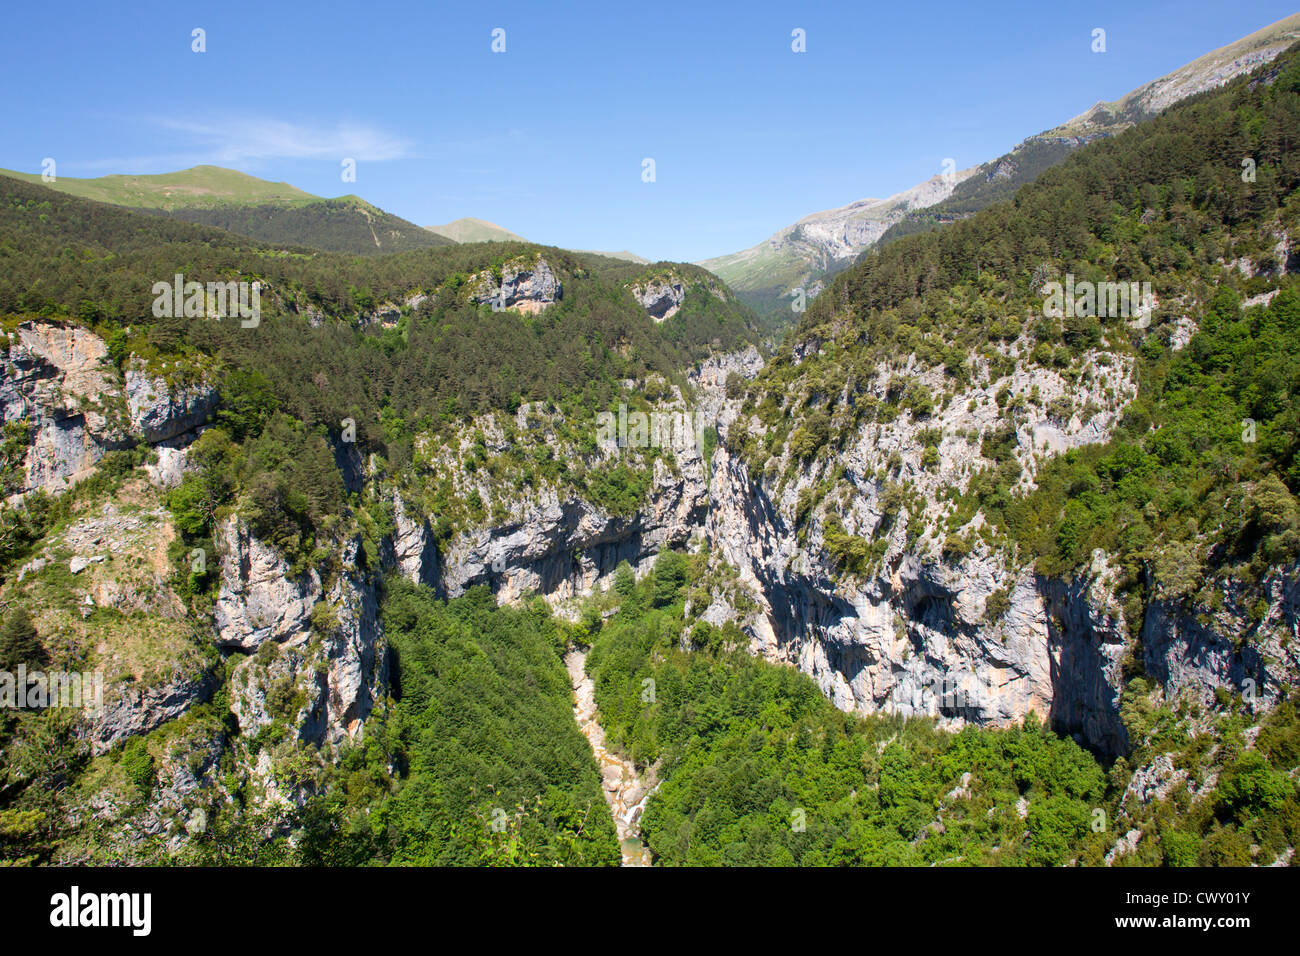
[(1204, 73)]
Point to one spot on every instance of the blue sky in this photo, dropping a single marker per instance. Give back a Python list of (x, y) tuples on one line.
[(548, 138)]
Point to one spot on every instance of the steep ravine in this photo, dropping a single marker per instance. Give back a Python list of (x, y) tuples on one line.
[(915, 636), (883, 642), (625, 789)]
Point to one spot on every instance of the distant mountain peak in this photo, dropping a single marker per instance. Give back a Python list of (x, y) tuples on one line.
[(469, 229)]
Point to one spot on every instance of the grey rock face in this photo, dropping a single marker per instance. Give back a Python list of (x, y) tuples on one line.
[(559, 546), (413, 550), (1087, 640), (526, 285), (324, 679), (351, 465), (355, 657), (918, 635), (159, 410), (169, 470), (710, 383), (913, 642), (919, 641), (58, 378), (1203, 653), (130, 710), (560, 549), (257, 601), (660, 297)]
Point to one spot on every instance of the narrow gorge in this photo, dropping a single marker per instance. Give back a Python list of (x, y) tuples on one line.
[(626, 789), (496, 553)]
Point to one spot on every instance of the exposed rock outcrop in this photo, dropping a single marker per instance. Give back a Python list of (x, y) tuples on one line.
[(1228, 649), (58, 378), (320, 672), (413, 550), (257, 600), (130, 710), (662, 294), (972, 637), (160, 409), (527, 285), (562, 548), (659, 297)]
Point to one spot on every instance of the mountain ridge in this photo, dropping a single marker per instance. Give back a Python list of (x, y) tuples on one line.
[(201, 186), (766, 273)]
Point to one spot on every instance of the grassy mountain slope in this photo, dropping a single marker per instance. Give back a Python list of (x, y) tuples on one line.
[(480, 230), (475, 230), (271, 212), (621, 254), (200, 187)]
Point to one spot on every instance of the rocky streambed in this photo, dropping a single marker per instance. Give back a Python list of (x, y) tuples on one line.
[(626, 790)]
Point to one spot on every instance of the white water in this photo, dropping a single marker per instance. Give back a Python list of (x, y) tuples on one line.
[(626, 791)]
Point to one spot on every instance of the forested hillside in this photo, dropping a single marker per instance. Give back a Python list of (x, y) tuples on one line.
[(1165, 203), (992, 182), (759, 769), (347, 225), (96, 264)]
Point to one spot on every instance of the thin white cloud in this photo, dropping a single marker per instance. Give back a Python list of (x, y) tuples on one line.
[(249, 142), (252, 143), (243, 139)]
